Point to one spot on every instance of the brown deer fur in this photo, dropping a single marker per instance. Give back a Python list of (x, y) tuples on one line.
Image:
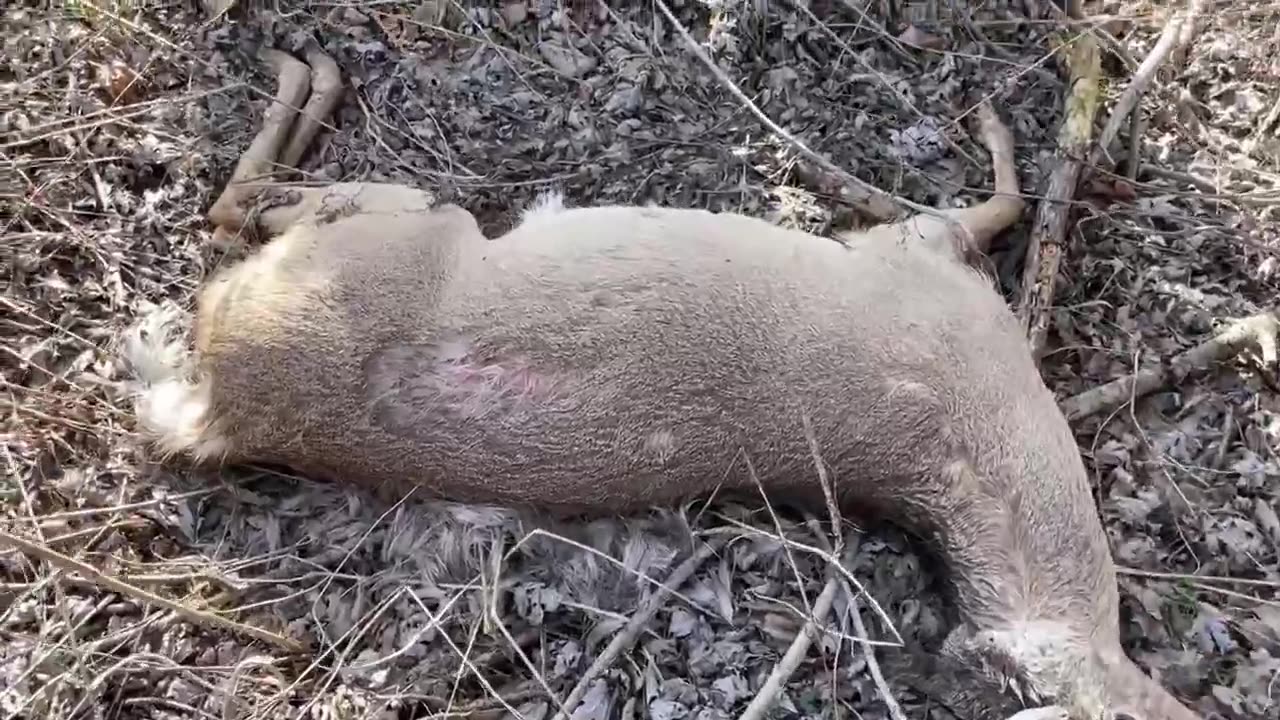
[(604, 359)]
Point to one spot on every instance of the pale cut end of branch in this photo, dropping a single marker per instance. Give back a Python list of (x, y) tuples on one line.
[(1044, 251), (1261, 330), (293, 79)]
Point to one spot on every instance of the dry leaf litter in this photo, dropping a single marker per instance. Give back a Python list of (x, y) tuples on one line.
[(120, 121)]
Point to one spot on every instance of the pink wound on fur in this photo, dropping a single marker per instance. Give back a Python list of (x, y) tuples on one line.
[(409, 384), (478, 387)]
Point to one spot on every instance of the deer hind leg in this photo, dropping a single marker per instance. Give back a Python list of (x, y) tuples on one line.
[(281, 143), (1002, 209), (290, 205), (293, 83), (966, 233)]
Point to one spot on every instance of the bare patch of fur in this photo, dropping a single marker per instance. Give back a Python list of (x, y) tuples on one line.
[(172, 409)]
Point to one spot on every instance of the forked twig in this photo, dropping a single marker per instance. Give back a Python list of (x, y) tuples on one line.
[(1172, 40), (782, 672)]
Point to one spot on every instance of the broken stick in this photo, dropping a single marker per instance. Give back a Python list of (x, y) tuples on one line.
[(627, 637), (1171, 41), (1261, 329), (1044, 250)]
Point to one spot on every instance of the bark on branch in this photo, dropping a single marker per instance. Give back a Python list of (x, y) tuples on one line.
[(1044, 251), (1261, 330), (1173, 40)]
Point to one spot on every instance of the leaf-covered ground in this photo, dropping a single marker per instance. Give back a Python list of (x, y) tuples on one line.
[(119, 125)]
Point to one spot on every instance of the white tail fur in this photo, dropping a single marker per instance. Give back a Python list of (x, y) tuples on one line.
[(545, 206), (172, 408)]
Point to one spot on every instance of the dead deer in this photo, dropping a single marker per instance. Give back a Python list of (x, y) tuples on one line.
[(604, 359)]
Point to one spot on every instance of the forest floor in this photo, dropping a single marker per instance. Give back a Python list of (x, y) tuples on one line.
[(120, 122)]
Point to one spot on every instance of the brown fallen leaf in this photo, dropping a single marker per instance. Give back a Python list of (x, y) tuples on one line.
[(916, 37), (121, 82), (1103, 192)]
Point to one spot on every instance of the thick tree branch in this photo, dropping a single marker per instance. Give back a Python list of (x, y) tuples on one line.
[(1044, 251), (1260, 330)]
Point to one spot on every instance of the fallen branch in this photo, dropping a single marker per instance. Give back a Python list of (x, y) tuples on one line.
[(1262, 330), (1044, 250), (627, 636), (196, 617), (772, 687), (868, 198), (1172, 41)]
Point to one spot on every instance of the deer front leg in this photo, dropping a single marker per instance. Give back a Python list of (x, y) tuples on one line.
[(293, 79), (282, 142)]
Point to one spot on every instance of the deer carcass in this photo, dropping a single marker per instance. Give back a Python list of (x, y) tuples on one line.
[(601, 359)]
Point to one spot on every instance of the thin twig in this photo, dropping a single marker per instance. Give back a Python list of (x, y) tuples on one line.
[(877, 202), (1199, 578), (828, 491), (198, 617), (627, 636)]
